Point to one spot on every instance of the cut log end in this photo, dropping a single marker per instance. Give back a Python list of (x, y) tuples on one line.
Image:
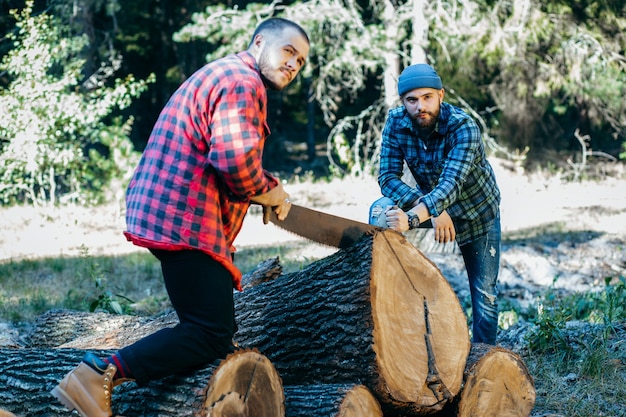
[(497, 385), (360, 402), (421, 335), (245, 384), (230, 405)]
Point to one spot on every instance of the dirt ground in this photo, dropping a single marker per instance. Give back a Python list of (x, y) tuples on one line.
[(528, 201)]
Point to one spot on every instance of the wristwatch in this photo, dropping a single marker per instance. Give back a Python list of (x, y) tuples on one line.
[(414, 220)]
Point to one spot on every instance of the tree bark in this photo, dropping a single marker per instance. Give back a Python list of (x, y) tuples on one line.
[(378, 312), (245, 381), (330, 400), (82, 330)]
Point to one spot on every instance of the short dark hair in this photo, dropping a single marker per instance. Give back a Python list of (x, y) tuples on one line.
[(276, 25)]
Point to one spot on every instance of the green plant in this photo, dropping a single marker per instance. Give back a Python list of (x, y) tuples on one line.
[(56, 133), (104, 299)]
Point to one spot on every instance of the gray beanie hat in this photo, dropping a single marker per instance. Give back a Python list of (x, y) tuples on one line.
[(418, 76)]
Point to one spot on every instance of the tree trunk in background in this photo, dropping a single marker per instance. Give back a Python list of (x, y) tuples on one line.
[(311, 107), (392, 59), (377, 312), (419, 42)]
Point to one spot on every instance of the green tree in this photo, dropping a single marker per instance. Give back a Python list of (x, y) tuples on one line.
[(547, 69), (530, 72), (57, 136)]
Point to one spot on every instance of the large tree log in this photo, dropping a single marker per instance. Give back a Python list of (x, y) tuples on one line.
[(244, 384), (83, 330), (378, 312), (330, 400)]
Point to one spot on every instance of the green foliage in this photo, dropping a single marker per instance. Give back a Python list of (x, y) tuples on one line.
[(104, 299), (56, 138), (576, 351), (544, 72), (602, 309)]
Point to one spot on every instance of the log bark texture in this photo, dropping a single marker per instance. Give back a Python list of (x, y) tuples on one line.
[(330, 400), (103, 331), (378, 312), (244, 384)]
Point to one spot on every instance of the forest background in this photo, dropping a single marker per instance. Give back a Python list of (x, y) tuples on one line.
[(82, 82)]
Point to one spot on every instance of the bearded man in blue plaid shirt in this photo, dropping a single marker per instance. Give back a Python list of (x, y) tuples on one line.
[(455, 193)]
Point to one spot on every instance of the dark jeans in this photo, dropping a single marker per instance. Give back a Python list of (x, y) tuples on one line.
[(201, 292), (482, 263)]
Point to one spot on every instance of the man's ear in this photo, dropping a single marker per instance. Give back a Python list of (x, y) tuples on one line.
[(257, 42)]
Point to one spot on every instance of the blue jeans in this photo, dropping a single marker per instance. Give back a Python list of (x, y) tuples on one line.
[(482, 263)]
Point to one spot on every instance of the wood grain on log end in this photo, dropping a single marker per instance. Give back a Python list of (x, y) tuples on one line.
[(498, 384), (245, 384), (420, 330), (360, 402)]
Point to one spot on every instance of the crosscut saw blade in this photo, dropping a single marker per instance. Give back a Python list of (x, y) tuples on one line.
[(322, 227)]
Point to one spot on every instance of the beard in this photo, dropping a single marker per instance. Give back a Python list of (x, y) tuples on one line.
[(428, 122)]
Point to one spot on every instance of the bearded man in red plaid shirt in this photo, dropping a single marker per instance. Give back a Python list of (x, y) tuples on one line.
[(186, 202)]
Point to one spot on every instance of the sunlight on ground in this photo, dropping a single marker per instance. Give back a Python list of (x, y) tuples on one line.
[(526, 203)]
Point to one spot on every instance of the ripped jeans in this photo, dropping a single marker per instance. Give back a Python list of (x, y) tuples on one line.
[(482, 263)]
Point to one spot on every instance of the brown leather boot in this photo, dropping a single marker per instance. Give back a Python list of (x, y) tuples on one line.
[(87, 388)]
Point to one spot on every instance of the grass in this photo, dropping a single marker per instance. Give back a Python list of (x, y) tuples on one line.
[(131, 284), (577, 352)]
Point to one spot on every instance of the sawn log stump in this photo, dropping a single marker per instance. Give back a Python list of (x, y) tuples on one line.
[(497, 384), (378, 312)]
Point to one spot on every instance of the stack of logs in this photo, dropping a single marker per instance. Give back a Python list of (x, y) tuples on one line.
[(371, 330)]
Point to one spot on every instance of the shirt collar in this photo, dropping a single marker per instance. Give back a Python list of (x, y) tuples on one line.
[(249, 60)]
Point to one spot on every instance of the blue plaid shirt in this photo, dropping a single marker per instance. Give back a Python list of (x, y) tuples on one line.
[(449, 167)]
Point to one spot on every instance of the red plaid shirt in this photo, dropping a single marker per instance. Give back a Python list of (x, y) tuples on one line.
[(202, 163)]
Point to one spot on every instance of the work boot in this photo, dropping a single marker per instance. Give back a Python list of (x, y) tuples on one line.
[(87, 388)]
